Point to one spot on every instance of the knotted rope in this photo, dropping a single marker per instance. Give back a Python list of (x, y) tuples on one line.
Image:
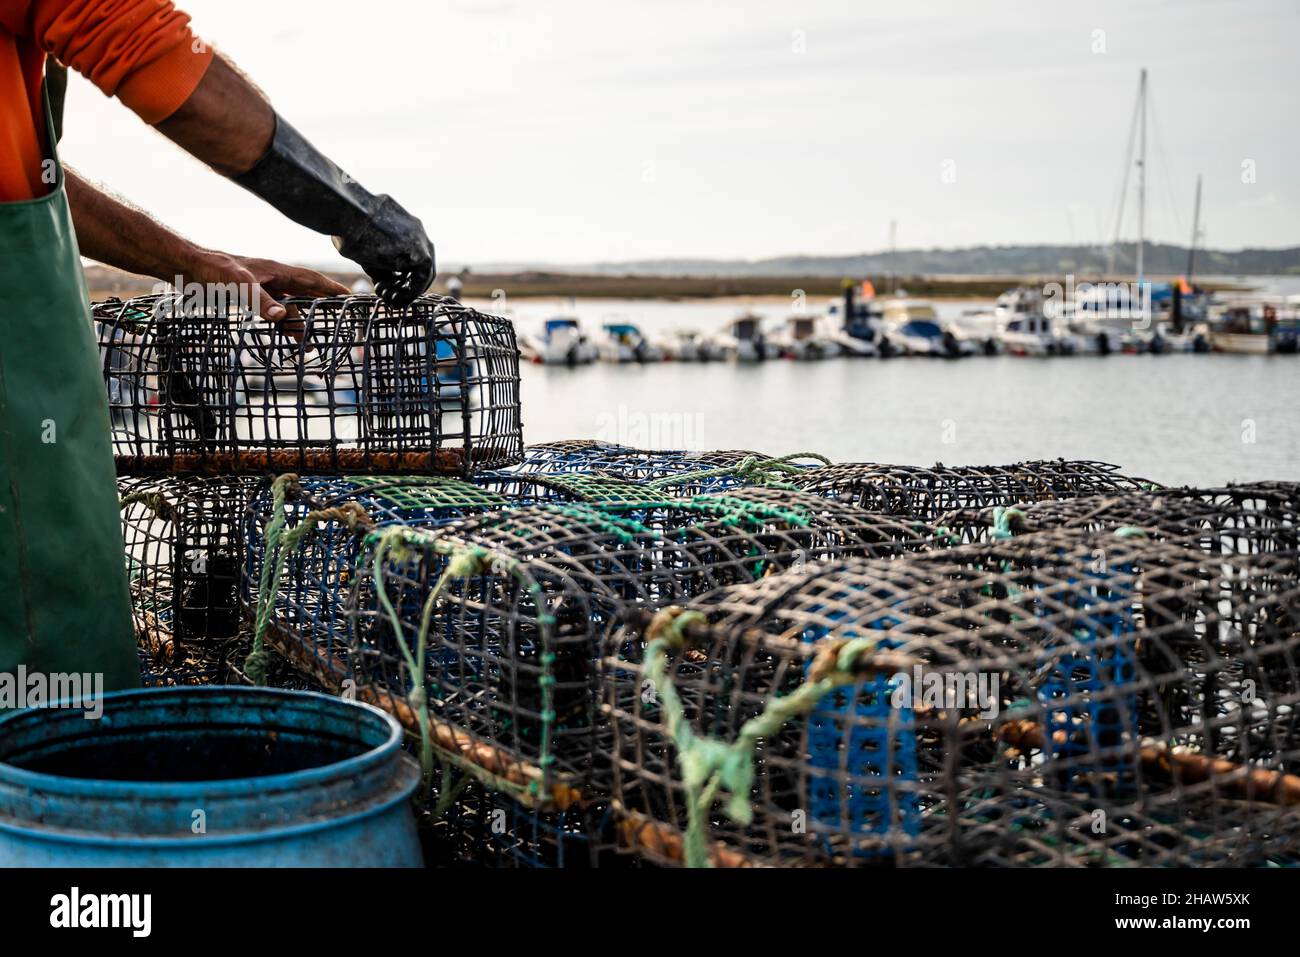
[(395, 544), (709, 765), (1005, 522), (156, 502), (752, 468)]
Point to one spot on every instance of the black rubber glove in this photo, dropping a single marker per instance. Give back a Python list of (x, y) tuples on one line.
[(373, 231)]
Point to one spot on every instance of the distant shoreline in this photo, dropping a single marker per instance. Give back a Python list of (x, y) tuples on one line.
[(104, 283)]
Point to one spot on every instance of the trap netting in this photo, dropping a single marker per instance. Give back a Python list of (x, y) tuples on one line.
[(467, 824), (343, 385), (676, 471), (221, 663), (302, 600), (183, 555), (183, 550), (303, 535), (1255, 519), (493, 624), (929, 493), (1058, 699)]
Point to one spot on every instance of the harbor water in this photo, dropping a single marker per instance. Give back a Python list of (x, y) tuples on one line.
[(1177, 419)]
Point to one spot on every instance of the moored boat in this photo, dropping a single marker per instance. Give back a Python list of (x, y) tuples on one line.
[(562, 343), (913, 326), (623, 342), (802, 338), (743, 340)]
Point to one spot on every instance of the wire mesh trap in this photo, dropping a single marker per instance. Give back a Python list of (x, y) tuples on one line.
[(306, 599), (678, 472), (219, 663), (183, 552), (303, 598), (929, 493), (978, 705), (525, 488), (1242, 520), (467, 824), (348, 384), (764, 530), (495, 621)]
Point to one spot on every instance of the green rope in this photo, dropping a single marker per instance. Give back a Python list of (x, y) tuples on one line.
[(1003, 519), (396, 544), (764, 471), (1130, 531), (280, 544), (392, 544), (734, 510), (709, 765)]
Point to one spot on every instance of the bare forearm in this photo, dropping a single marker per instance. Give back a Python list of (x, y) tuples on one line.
[(113, 233), (226, 122)]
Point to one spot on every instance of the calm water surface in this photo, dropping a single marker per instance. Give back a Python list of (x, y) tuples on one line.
[(1196, 419)]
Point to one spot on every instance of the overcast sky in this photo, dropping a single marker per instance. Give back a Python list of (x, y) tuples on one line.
[(581, 130)]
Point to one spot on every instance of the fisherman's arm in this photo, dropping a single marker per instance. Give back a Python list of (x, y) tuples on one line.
[(143, 52), (114, 233)]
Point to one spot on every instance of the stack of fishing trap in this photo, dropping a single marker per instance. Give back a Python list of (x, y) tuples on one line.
[(1061, 698), (206, 400), (493, 624), (609, 656)]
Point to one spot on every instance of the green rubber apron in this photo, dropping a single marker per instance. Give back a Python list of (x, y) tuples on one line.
[(64, 604)]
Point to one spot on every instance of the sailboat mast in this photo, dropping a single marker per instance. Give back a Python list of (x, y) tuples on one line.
[(1196, 230), (1142, 173), (893, 259)]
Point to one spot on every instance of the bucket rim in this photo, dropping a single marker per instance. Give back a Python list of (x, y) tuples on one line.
[(213, 787)]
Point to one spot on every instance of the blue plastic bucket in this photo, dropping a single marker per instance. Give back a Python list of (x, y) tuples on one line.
[(207, 777)]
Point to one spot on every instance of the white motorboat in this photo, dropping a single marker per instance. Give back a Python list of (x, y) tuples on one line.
[(979, 327), (1256, 326), (855, 323), (622, 342), (562, 342), (743, 340), (1034, 334), (801, 338), (688, 346)]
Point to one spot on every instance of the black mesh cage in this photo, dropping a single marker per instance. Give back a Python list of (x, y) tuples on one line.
[(1065, 698), (305, 608), (1245, 520), (307, 603), (344, 385), (183, 555), (675, 471), (511, 606), (929, 493), (467, 824), (183, 551)]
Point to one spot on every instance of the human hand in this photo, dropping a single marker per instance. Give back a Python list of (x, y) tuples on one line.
[(259, 282)]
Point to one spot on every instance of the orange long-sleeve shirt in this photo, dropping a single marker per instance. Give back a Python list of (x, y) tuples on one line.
[(141, 51)]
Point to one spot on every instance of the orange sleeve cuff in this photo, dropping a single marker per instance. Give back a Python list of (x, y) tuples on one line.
[(158, 89)]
